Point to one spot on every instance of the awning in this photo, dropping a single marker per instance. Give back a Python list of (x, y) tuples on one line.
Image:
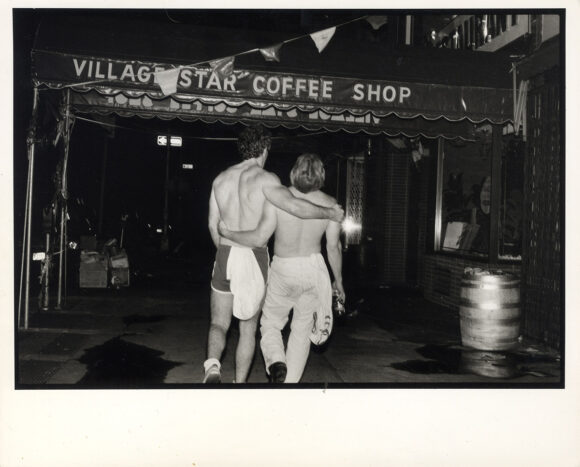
[(306, 89), (188, 108)]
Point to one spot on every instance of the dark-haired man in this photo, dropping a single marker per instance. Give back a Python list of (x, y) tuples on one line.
[(299, 279), (238, 197)]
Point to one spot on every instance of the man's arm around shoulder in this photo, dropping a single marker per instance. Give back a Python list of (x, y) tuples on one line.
[(253, 238), (281, 197), (213, 218)]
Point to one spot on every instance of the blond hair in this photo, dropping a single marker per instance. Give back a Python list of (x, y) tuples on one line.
[(308, 173)]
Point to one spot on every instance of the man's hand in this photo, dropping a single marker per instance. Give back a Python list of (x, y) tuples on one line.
[(222, 228), (337, 213), (340, 289)]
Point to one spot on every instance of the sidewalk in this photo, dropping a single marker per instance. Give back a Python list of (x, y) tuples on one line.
[(144, 337)]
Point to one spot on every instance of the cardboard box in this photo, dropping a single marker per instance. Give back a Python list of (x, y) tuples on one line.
[(120, 260), (96, 260), (459, 236), (120, 277), (93, 278), (93, 270), (453, 232)]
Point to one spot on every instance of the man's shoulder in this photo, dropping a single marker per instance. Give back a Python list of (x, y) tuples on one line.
[(225, 174), (323, 199), (218, 179), (266, 178)]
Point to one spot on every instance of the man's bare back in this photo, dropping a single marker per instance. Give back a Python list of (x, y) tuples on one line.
[(238, 199), (301, 237), (239, 195)]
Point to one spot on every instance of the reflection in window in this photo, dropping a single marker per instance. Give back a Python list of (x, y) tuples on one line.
[(466, 194)]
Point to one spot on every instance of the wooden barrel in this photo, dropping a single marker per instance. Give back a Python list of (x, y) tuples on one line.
[(489, 310)]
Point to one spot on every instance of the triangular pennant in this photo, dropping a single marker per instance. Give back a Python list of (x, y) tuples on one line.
[(272, 54), (377, 21), (222, 67), (167, 80), (322, 38)]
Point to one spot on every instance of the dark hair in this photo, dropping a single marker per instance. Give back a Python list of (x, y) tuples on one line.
[(308, 173), (252, 142)]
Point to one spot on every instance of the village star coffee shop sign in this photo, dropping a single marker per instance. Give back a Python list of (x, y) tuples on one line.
[(407, 99)]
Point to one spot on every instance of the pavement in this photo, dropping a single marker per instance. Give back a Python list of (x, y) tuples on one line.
[(154, 333)]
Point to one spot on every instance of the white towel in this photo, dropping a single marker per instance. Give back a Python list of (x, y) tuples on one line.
[(323, 318), (246, 282)]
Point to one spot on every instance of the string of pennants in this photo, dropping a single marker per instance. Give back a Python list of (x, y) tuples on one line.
[(224, 66)]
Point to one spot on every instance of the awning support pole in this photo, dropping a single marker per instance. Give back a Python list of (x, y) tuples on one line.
[(46, 286), (24, 237), (103, 185), (515, 86), (165, 238), (64, 197), (28, 211), (439, 196), (65, 251)]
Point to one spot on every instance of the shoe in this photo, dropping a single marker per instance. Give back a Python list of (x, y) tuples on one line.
[(212, 374), (277, 372)]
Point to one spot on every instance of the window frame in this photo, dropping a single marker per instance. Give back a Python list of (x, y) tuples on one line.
[(495, 199)]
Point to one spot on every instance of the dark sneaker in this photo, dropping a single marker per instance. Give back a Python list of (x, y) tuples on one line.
[(277, 372)]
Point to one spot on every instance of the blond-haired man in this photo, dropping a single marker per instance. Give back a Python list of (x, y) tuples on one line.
[(299, 278)]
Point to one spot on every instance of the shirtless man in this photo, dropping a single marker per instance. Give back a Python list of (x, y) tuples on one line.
[(298, 277), (238, 198)]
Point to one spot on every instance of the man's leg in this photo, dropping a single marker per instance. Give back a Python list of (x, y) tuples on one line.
[(299, 340), (246, 347), (247, 342), (221, 317), (274, 317), (271, 325)]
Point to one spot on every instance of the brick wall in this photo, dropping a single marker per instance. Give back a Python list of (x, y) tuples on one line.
[(543, 233)]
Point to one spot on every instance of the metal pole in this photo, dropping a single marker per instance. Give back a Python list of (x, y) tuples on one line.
[(28, 236), (103, 178), (496, 148), (439, 196), (24, 231), (45, 286), (165, 239), (31, 142), (65, 252), (60, 263), (515, 85), (63, 213)]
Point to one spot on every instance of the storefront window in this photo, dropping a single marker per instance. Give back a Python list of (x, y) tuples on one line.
[(465, 197), (467, 221)]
